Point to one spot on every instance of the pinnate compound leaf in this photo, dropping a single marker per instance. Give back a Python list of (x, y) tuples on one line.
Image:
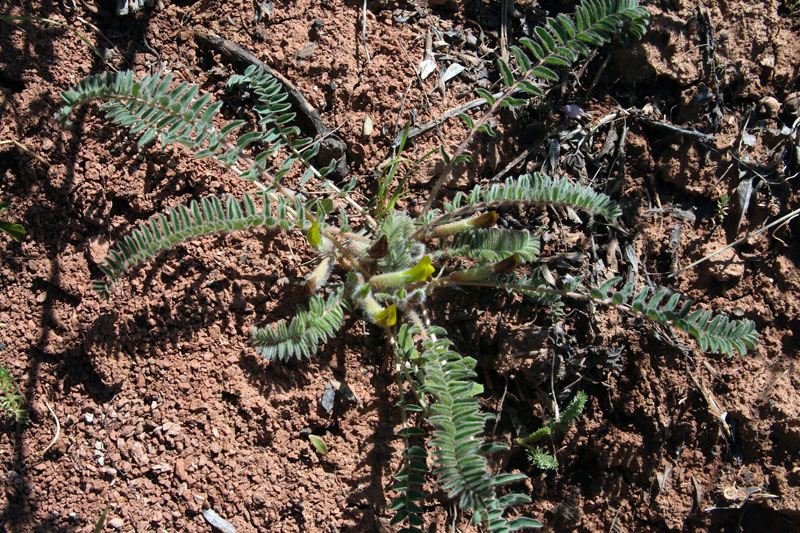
[(714, 332), (182, 223), (300, 338)]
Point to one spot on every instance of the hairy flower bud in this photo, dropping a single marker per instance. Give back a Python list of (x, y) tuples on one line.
[(471, 274), (319, 276), (419, 272), (486, 220)]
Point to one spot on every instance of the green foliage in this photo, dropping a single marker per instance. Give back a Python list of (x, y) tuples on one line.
[(386, 199), (385, 268), (181, 223), (714, 332), (304, 333), (535, 286), (149, 107), (539, 457), (558, 43), (409, 484), (411, 476), (570, 414), (15, 231), (560, 425), (403, 251), (458, 425), (492, 245), (318, 444), (561, 42), (275, 119), (722, 209), (459, 452), (537, 189), (101, 522), (11, 401), (542, 459)]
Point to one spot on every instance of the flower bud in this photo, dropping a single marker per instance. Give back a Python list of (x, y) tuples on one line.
[(319, 276), (471, 274), (419, 272), (486, 220)]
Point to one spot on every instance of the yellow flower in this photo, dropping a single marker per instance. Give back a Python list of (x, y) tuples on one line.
[(387, 317), (421, 271), (313, 235)]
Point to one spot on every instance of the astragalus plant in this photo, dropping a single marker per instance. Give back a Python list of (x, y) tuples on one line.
[(385, 267)]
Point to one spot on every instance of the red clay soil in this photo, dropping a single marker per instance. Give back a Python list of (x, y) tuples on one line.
[(165, 409)]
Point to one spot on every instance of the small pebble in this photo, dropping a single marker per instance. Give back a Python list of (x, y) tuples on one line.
[(306, 51), (218, 522), (89, 417), (116, 523), (768, 107)]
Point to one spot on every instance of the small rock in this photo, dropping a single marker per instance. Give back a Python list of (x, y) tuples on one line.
[(171, 429), (328, 398), (218, 522), (137, 451), (98, 249), (161, 468), (306, 51), (768, 107), (180, 469), (89, 417), (317, 28), (56, 320), (116, 523)]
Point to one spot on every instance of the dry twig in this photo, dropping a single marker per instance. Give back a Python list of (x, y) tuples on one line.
[(58, 429), (364, 31), (768, 390), (25, 149), (784, 219)]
